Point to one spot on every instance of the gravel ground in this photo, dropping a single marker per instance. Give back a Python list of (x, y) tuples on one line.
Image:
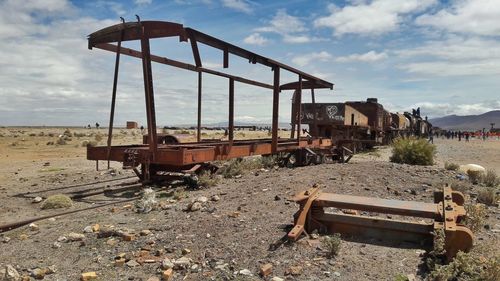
[(227, 239)]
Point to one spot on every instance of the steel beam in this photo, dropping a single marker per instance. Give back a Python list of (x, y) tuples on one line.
[(149, 94), (182, 65), (276, 103), (299, 108), (198, 127), (231, 110)]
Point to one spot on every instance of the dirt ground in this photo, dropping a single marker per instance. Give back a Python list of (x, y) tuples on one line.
[(227, 239)]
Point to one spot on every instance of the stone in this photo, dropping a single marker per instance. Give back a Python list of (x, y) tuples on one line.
[(88, 229), (132, 263), (128, 237), (186, 251), (33, 227), (37, 199), (202, 199), (195, 206), (266, 269), (111, 242), (195, 268), (153, 278), (245, 272), (96, 227), (120, 261), (277, 198), (5, 239), (38, 273), (336, 274), (295, 270), (215, 198), (145, 232), (167, 274), (166, 263), (72, 237), (10, 273), (56, 245), (88, 276), (276, 278), (411, 277), (62, 239), (182, 263)]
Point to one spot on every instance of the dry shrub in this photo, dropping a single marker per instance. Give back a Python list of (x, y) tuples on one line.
[(68, 133), (451, 166), (98, 137), (207, 179), (332, 243), (487, 196), (269, 161), (57, 201), (401, 277), (476, 214), (238, 166), (413, 151), (467, 266), (475, 176), (490, 179), (61, 141), (437, 256), (32, 135), (41, 134), (460, 186), (87, 143)]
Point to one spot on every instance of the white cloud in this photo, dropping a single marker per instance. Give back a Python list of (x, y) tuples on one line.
[(292, 29), (284, 23), (238, 5), (455, 56), (370, 56), (480, 17), (255, 39), (374, 18), (143, 2), (442, 109), (315, 56)]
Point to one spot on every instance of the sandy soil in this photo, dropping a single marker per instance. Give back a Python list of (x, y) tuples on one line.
[(240, 231)]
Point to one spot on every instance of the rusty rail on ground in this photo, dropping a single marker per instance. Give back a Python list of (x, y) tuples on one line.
[(447, 211)]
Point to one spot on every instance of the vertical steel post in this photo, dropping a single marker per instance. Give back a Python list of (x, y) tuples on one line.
[(276, 97), (198, 129), (113, 98), (231, 110), (299, 108), (294, 114), (149, 94), (314, 130)]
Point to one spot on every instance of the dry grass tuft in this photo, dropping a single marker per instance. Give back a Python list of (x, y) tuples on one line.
[(451, 166), (476, 214), (490, 179), (332, 243), (57, 201), (487, 196), (207, 179)]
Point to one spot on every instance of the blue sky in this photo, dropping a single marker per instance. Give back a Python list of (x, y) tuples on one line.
[(443, 56)]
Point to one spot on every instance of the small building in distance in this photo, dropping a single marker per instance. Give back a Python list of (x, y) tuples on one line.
[(132, 125)]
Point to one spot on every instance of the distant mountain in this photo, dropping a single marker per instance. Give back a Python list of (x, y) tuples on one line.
[(468, 122)]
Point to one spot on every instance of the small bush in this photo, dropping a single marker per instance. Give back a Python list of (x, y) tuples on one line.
[(475, 176), (413, 151), (238, 166), (41, 134), (466, 266), (487, 196), (98, 137), (32, 135), (68, 133), (179, 194), (401, 277), (331, 244), (451, 166), (476, 215), (490, 179), (269, 161), (57, 201), (61, 141), (206, 179), (436, 256), (460, 186)]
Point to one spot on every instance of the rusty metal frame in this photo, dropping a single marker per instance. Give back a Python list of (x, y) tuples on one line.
[(447, 213), (158, 154)]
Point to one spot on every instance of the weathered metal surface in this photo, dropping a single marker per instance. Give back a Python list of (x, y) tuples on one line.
[(447, 213)]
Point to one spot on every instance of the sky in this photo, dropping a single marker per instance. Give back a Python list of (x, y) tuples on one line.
[(442, 56)]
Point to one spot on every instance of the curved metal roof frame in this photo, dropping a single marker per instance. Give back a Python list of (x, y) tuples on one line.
[(129, 31)]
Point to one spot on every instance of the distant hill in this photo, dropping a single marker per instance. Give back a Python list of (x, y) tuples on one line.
[(468, 122)]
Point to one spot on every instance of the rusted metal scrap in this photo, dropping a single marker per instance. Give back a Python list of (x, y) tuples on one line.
[(447, 212)]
